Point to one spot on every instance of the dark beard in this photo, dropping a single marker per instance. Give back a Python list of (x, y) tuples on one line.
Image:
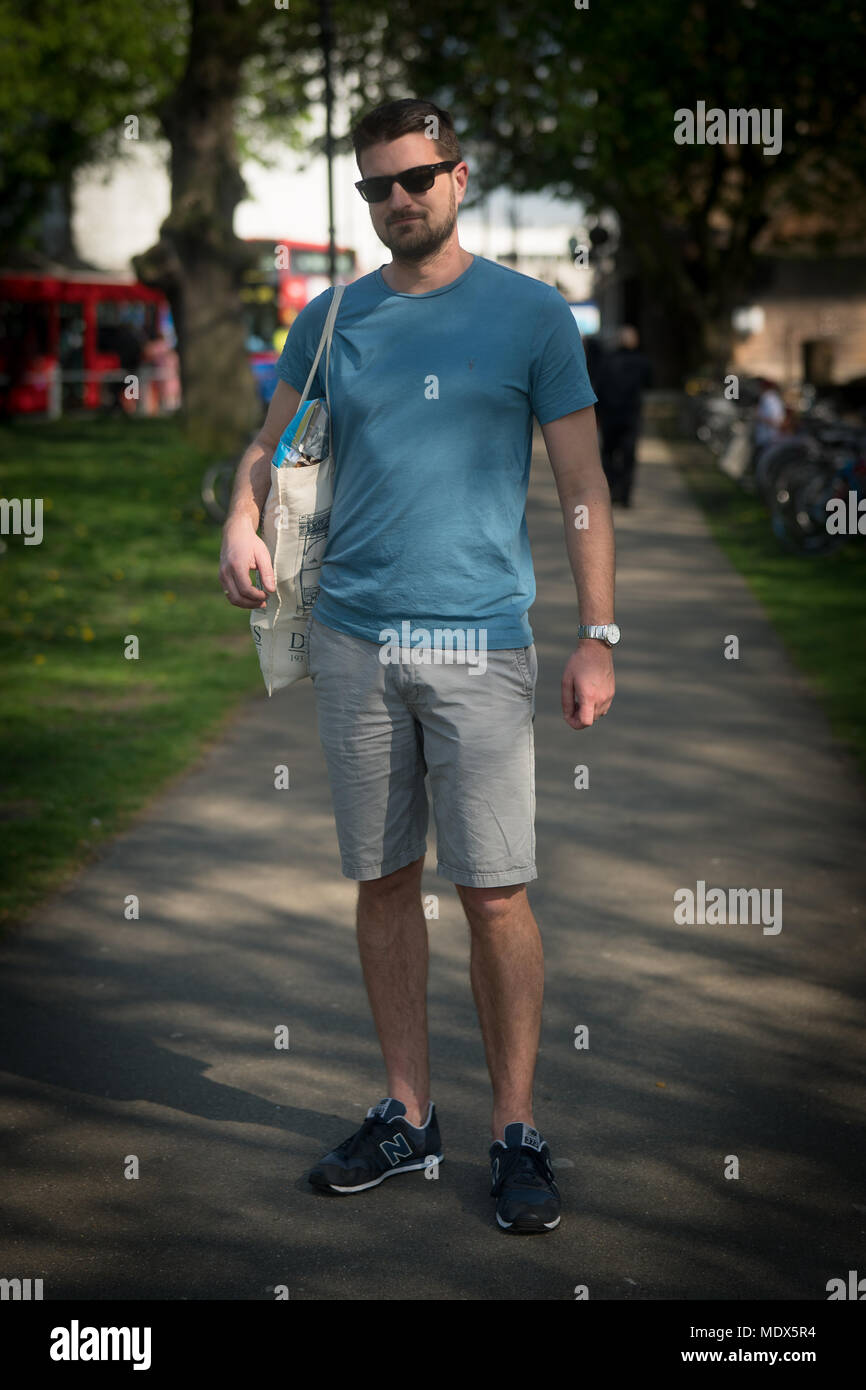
[(423, 246)]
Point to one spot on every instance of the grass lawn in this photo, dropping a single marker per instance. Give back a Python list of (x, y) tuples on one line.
[(816, 603), (87, 734)]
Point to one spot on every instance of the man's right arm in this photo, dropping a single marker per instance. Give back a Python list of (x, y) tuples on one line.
[(242, 548)]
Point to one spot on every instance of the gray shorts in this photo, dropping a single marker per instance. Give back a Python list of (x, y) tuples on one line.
[(384, 728)]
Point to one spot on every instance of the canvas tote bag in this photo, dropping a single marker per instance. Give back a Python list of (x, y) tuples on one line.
[(295, 528)]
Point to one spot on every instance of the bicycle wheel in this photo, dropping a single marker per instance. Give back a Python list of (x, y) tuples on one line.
[(216, 490), (799, 509), (774, 460)]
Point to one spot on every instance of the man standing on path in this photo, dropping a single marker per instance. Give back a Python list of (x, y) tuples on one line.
[(623, 375), (438, 363)]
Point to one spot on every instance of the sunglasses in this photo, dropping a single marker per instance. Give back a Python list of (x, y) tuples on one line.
[(417, 180)]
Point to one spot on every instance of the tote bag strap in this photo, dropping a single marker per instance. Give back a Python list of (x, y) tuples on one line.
[(335, 307), (327, 335)]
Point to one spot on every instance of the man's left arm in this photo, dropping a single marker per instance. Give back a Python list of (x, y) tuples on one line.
[(572, 447)]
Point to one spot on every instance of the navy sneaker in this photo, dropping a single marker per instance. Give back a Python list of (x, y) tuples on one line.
[(522, 1177), (385, 1144)]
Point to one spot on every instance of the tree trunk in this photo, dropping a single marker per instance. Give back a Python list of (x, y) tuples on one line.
[(686, 311), (198, 260)]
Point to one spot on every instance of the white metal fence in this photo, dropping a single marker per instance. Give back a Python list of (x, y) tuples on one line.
[(147, 401)]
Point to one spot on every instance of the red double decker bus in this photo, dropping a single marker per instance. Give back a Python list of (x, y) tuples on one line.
[(73, 322), (286, 275), (68, 338)]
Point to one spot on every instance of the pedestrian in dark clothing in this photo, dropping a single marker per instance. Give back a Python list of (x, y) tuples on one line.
[(594, 355), (621, 378)]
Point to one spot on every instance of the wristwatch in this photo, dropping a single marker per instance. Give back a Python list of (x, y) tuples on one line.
[(608, 633)]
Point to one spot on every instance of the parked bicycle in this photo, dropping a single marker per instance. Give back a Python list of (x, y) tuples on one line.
[(715, 419), (814, 489), (804, 476), (216, 489)]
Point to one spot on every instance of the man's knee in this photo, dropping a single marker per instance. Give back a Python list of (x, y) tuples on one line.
[(488, 906), (400, 881)]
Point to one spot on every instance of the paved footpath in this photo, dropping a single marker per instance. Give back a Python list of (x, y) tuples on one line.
[(710, 1046)]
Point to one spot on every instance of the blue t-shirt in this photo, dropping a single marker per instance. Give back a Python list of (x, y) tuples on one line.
[(432, 397)]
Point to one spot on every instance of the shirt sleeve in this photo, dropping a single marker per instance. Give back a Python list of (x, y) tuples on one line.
[(300, 346), (558, 380)]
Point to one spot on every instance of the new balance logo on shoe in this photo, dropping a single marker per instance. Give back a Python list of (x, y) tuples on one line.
[(397, 1148), (527, 1199)]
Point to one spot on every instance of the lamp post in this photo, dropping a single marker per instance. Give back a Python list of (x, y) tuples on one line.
[(327, 45)]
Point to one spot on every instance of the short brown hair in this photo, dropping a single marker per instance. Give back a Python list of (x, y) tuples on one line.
[(405, 117)]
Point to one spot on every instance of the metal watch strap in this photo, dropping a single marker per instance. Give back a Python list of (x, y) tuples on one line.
[(597, 630)]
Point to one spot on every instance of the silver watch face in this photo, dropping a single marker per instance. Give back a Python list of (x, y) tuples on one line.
[(613, 634)]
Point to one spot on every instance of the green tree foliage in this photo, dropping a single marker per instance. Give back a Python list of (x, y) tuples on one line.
[(218, 79), (69, 75), (577, 101), (581, 102)]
